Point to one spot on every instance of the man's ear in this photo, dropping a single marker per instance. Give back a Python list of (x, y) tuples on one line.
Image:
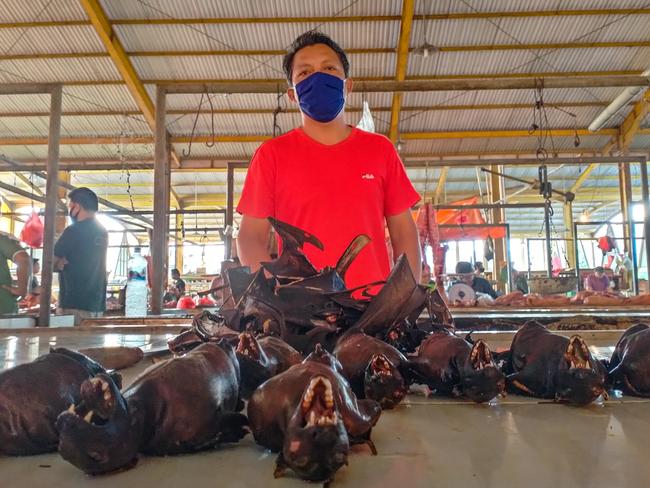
[(348, 87), (291, 94)]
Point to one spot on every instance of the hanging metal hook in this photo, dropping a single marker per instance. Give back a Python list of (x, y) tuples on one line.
[(212, 132), (196, 119)]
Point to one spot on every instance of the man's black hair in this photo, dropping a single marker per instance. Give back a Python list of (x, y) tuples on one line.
[(464, 267), (35, 261), (307, 39), (84, 197), (175, 270)]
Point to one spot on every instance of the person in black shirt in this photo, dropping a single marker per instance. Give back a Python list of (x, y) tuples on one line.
[(34, 286), (80, 258), (478, 283), (179, 284)]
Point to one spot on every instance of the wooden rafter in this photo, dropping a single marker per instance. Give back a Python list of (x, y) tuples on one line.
[(104, 29), (342, 18), (631, 126), (279, 52), (441, 184), (583, 177), (84, 140), (408, 7), (265, 111)]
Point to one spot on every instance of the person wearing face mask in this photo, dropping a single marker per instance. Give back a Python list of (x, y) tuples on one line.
[(80, 258), (331, 179)]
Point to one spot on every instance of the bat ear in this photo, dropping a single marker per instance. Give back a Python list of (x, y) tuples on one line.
[(280, 466)]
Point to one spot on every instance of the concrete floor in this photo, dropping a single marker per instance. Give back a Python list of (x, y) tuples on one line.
[(423, 443)]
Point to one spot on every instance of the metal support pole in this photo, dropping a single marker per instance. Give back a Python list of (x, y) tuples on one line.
[(568, 233), (230, 211), (61, 220), (47, 267), (547, 229), (635, 265), (645, 195), (509, 260), (625, 189), (160, 206), (576, 251), (178, 231)]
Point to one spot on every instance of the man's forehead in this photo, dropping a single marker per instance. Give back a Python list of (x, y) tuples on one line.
[(314, 53)]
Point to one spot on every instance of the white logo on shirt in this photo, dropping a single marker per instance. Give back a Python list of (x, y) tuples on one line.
[(368, 176)]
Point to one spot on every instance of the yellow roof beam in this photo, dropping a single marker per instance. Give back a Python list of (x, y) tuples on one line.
[(332, 19), (408, 7), (122, 62), (280, 52), (631, 126), (83, 140), (282, 82), (583, 177), (175, 199), (104, 29), (263, 111), (441, 184), (502, 133)]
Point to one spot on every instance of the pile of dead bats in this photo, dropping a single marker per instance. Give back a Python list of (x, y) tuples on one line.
[(312, 363)]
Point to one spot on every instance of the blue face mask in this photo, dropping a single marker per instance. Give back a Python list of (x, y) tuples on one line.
[(321, 96)]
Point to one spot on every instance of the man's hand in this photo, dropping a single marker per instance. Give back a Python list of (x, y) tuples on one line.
[(23, 274), (404, 239), (252, 241), (14, 290)]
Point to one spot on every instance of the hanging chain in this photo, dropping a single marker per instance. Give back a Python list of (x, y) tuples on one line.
[(213, 135), (277, 130), (125, 169), (186, 154)]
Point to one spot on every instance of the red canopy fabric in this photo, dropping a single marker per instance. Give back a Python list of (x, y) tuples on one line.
[(461, 218)]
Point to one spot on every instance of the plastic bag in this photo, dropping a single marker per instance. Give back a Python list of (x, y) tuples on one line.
[(33, 230)]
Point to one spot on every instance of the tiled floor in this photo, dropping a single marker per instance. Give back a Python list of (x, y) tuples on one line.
[(424, 443)]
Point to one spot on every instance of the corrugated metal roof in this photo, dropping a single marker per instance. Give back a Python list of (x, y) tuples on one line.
[(496, 62), (105, 151), (68, 39), (92, 126), (530, 30), (517, 5), (57, 70), (246, 67), (504, 119), (482, 97), (251, 36), (27, 11), (232, 150), (249, 8)]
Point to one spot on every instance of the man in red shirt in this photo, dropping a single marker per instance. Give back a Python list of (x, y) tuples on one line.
[(328, 178)]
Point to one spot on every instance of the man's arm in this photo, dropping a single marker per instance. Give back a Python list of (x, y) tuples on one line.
[(23, 273), (252, 241), (61, 250), (404, 239)]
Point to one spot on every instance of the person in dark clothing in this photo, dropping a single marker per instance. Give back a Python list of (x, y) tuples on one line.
[(34, 285), (478, 284), (80, 259), (179, 284)]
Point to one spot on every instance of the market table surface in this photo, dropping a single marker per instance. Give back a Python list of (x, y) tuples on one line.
[(425, 442)]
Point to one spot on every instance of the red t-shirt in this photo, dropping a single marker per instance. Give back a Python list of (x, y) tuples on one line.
[(335, 192)]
